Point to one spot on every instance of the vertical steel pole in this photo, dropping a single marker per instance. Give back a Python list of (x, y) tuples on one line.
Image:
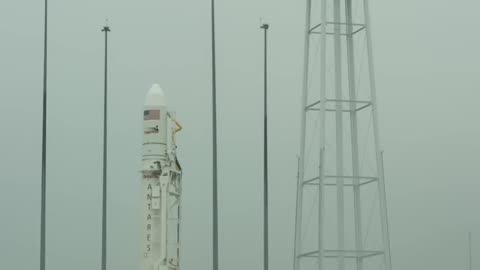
[(214, 145), (339, 136), (378, 147), (301, 159), (105, 29), (44, 148), (323, 105), (354, 133), (265, 155)]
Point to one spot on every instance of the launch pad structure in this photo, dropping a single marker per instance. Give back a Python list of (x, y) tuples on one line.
[(335, 105)]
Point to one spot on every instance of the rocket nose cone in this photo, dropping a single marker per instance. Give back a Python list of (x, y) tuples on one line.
[(155, 96)]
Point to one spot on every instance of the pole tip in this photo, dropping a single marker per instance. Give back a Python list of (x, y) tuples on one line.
[(106, 28), (264, 26)]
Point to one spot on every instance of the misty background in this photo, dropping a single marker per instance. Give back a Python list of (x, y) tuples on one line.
[(426, 55)]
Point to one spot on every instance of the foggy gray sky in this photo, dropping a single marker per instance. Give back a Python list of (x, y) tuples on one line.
[(426, 55)]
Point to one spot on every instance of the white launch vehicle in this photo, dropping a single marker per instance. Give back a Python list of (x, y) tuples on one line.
[(161, 185)]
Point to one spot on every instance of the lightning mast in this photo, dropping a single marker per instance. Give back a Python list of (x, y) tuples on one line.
[(105, 29), (43, 207), (335, 181), (214, 147), (265, 152)]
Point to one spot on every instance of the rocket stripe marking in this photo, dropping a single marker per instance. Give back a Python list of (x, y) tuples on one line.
[(151, 115)]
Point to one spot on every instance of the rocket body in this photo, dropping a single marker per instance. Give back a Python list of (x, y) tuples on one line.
[(161, 186)]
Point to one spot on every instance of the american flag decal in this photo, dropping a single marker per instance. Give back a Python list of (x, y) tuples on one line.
[(151, 115)]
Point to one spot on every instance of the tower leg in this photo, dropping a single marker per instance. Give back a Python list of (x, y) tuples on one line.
[(354, 133), (339, 136), (378, 150), (323, 105), (301, 162)]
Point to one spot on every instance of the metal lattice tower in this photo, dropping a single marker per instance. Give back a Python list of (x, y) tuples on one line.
[(339, 135)]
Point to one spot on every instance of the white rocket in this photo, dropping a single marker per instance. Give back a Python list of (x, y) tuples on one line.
[(161, 185)]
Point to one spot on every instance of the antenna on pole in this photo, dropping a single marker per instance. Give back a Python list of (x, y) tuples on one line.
[(105, 29), (214, 145), (265, 156), (44, 148)]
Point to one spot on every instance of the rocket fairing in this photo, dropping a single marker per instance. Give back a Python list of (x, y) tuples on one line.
[(161, 185)]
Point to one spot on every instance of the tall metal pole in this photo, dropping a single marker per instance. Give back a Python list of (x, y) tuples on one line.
[(44, 148), (214, 146), (105, 29), (265, 156)]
